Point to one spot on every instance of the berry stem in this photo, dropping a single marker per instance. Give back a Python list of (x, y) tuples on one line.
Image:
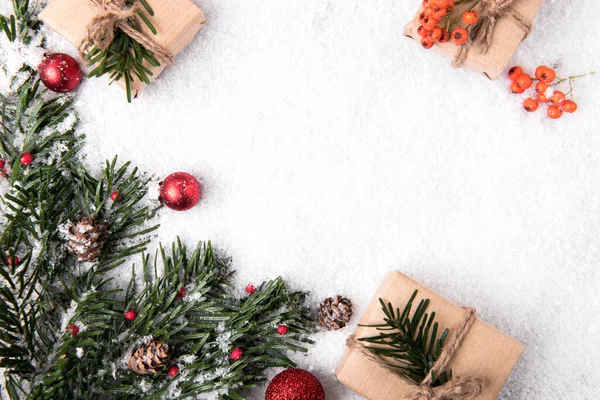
[(572, 78), (472, 6)]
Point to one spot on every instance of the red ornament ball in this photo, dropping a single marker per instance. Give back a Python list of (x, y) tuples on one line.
[(116, 196), (180, 191), (295, 384), (250, 289), (26, 158), (130, 315), (237, 353), (282, 329), (74, 329), (60, 72), (173, 371)]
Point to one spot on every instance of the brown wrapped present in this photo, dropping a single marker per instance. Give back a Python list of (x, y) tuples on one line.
[(176, 21), (481, 360), (502, 26)]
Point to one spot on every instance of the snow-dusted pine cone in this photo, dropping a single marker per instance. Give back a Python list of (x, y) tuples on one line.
[(149, 358), (86, 238), (335, 313)]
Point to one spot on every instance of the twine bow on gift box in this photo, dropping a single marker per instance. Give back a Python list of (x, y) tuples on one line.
[(116, 14), (481, 33), (459, 388)]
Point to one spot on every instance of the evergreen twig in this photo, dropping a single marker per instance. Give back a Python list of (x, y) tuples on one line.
[(409, 343)]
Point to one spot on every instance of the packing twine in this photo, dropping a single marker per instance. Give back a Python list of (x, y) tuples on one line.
[(115, 14), (459, 388), (480, 33)]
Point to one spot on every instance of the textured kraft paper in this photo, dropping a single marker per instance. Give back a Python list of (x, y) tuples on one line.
[(485, 352), (507, 37), (177, 22)]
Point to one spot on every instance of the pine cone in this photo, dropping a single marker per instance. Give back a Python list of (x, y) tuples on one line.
[(335, 313), (149, 357), (86, 238)]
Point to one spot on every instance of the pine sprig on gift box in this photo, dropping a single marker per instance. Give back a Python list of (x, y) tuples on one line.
[(125, 58), (409, 344)]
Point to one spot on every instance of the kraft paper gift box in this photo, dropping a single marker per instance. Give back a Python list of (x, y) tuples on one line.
[(485, 352), (177, 22), (506, 38)]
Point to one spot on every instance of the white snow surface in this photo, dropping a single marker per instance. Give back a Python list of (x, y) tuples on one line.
[(332, 149)]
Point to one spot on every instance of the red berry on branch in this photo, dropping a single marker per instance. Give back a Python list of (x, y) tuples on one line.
[(2, 164), (445, 36), (470, 17), (569, 106), (173, 371), (545, 74), (439, 12), (525, 81), (429, 23), (542, 98), (250, 289), (116, 196), (554, 112), (13, 261), (237, 353), (427, 42), (460, 36), (181, 292), (74, 329), (530, 104), (514, 73), (557, 97), (436, 34), (421, 31), (180, 191), (130, 315), (60, 72), (541, 87), (26, 159), (429, 12), (282, 330), (515, 88)]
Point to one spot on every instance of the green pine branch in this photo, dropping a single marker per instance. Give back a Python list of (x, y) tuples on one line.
[(409, 344)]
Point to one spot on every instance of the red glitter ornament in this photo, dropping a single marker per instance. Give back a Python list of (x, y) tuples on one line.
[(26, 158), (180, 191), (295, 384), (60, 72), (130, 315), (250, 289), (237, 353), (173, 371), (116, 196), (74, 329), (282, 329)]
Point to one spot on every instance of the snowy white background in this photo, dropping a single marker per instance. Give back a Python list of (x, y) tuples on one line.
[(332, 150)]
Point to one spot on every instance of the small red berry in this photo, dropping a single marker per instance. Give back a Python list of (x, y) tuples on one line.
[(74, 329), (524, 80), (554, 112), (557, 97), (237, 353), (173, 371), (569, 106), (250, 289), (130, 315), (530, 104), (542, 98), (459, 36), (422, 17), (428, 11), (282, 329), (181, 292), (436, 34), (425, 3), (13, 261), (1, 164), (421, 31), (515, 88), (439, 12), (116, 196), (26, 158), (445, 36), (470, 17), (429, 23), (545, 74), (427, 42), (541, 87), (514, 73)]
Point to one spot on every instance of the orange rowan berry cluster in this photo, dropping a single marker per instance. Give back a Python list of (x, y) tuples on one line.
[(437, 21), (547, 81)]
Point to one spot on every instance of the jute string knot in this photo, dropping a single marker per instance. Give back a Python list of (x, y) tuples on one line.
[(481, 32), (117, 14), (459, 388)]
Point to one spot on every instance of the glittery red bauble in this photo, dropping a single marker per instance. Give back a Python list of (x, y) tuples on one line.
[(282, 329), (60, 72), (130, 315), (237, 353), (295, 384), (180, 191), (74, 329), (250, 289), (173, 371), (26, 158)]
